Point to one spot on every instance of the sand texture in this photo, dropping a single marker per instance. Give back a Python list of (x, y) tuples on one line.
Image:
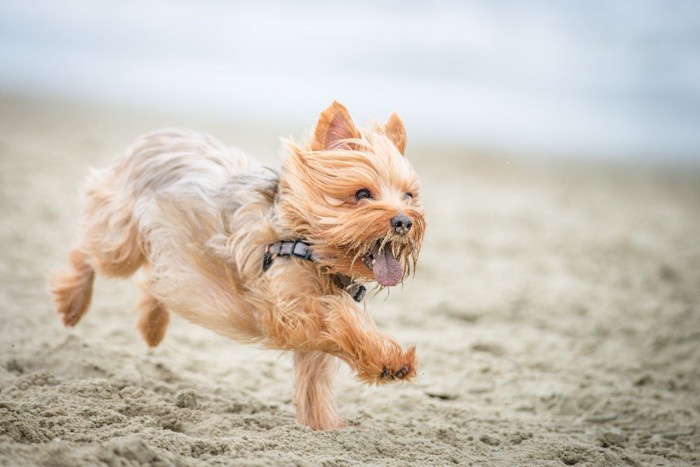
[(556, 312)]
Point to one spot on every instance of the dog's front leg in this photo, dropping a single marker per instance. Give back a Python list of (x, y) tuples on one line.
[(337, 325), (319, 328), (313, 395), (375, 356)]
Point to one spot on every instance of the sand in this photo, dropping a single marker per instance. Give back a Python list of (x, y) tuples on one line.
[(556, 312)]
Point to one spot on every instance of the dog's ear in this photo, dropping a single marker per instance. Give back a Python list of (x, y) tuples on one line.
[(396, 132), (334, 125)]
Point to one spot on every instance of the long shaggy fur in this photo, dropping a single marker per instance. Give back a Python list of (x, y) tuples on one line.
[(196, 216)]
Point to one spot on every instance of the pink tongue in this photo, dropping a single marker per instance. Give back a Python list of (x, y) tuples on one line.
[(387, 270)]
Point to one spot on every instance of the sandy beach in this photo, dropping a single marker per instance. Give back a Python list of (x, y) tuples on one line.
[(555, 310)]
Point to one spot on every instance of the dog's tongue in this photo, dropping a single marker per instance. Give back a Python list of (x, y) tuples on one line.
[(387, 269)]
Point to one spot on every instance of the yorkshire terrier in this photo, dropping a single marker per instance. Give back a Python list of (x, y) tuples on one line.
[(278, 259)]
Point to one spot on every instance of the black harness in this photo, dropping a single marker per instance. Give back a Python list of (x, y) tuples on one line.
[(302, 250)]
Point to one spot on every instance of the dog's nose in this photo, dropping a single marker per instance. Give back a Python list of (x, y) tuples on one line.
[(401, 224)]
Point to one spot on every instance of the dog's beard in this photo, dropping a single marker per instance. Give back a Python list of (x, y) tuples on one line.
[(355, 246)]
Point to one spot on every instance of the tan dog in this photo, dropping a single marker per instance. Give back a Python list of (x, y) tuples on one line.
[(261, 257)]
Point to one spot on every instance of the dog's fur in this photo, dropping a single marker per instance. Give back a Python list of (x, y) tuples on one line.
[(196, 217)]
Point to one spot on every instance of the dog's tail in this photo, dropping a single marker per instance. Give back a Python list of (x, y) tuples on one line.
[(72, 287)]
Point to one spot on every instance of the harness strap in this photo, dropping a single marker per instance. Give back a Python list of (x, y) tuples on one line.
[(302, 250), (296, 248)]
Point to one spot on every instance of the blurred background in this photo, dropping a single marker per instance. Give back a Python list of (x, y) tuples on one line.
[(614, 79)]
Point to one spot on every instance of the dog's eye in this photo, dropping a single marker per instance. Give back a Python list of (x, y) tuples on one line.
[(407, 196), (363, 194)]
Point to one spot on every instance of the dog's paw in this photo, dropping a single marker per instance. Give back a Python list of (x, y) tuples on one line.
[(389, 364), (401, 368), (387, 374)]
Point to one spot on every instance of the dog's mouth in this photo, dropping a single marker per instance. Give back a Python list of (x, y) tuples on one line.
[(382, 261)]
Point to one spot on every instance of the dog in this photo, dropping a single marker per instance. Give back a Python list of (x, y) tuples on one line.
[(280, 259)]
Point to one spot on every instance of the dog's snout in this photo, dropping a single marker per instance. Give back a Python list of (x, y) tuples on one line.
[(401, 224)]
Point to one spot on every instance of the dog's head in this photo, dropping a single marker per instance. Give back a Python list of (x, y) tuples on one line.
[(354, 195)]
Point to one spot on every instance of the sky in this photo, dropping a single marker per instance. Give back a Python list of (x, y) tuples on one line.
[(612, 79)]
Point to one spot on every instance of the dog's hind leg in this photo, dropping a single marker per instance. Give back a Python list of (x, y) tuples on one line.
[(153, 319), (110, 244), (315, 404), (153, 316), (72, 287)]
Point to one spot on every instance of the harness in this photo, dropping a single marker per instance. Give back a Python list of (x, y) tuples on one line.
[(302, 250)]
